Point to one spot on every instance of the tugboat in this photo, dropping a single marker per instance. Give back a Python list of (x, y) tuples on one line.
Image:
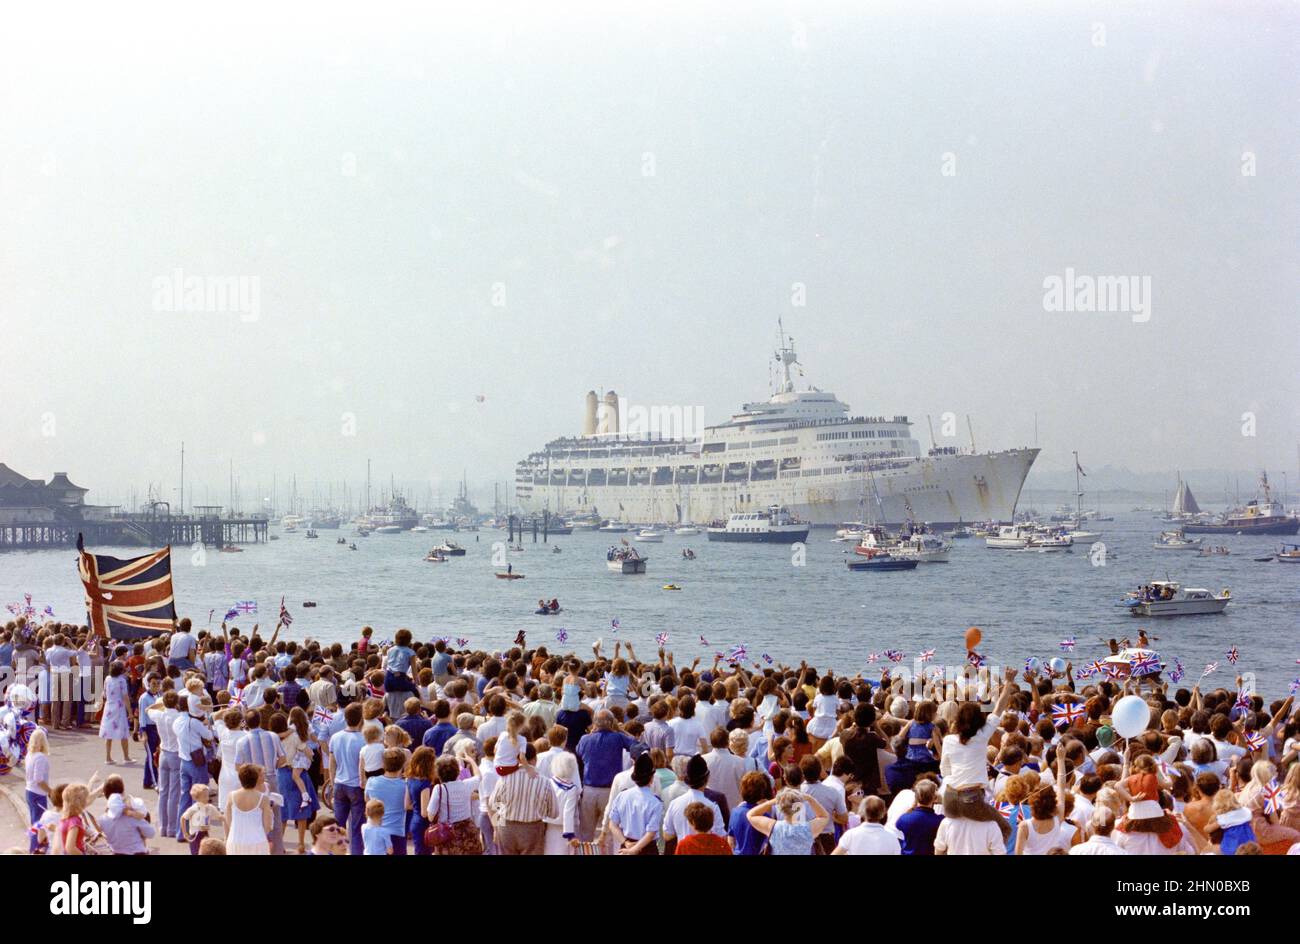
[(1260, 516), (625, 560), (774, 526), (1167, 598)]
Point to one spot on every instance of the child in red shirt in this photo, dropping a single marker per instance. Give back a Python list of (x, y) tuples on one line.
[(702, 841)]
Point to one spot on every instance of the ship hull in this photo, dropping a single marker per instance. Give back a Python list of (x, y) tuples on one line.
[(758, 537), (944, 491), (1284, 526)]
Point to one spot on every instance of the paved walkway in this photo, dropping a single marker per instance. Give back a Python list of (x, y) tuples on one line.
[(75, 756)]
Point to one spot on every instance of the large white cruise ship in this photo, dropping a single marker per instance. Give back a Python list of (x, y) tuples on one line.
[(800, 449)]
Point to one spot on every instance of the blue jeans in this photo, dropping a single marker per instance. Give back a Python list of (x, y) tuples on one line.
[(350, 811), (37, 803), (150, 747), (169, 793), (191, 774)]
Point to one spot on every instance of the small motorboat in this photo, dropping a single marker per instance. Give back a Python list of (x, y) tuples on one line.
[(517, 549), (388, 529), (671, 586), (1176, 541), (1290, 554), (275, 537), (881, 560), (500, 575), (687, 531), (625, 560), (419, 529), (309, 603), (650, 536), (1167, 598), (450, 549), (1217, 551), (352, 547), (231, 549), (547, 611), (688, 554), (311, 534), (555, 550), (433, 557)]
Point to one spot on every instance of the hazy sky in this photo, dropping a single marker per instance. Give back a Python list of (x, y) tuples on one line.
[(521, 205)]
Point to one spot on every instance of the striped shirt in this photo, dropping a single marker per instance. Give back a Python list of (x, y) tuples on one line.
[(523, 797)]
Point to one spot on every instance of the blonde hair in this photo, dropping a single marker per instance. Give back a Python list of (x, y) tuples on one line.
[(372, 733), (1263, 772), (787, 801), (396, 736), (76, 797), (515, 722), (39, 743), (1225, 801)]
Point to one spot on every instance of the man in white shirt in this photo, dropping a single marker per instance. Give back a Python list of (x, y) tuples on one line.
[(182, 647), (689, 736), (696, 779), (873, 837), (969, 837), (725, 766), (1102, 824)]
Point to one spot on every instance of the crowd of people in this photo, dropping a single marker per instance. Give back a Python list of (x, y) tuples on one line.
[(259, 745)]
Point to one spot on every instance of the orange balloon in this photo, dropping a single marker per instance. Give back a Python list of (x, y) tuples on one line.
[(973, 637)]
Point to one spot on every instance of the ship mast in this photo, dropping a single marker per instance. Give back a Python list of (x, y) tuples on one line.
[(786, 357)]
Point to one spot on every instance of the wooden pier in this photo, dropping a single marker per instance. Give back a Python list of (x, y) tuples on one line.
[(137, 530)]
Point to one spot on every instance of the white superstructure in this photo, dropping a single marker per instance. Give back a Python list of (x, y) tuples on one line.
[(799, 449)]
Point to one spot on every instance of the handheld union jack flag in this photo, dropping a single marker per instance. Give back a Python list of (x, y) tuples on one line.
[(1068, 644), (373, 690), (462, 642), (1242, 702), (1005, 809), (1272, 795), (246, 606), (927, 655), (704, 642), (285, 617), (1065, 714), (873, 658), (614, 623), (1295, 685), (1177, 674), (975, 659), (1210, 669), (767, 658), (1146, 664), (738, 653), (1233, 655), (562, 636), (661, 639), (1256, 741), (1113, 670)]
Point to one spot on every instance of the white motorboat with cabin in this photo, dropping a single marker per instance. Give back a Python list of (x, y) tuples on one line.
[(686, 531), (1009, 537), (1176, 541), (650, 536), (774, 526), (1168, 598)]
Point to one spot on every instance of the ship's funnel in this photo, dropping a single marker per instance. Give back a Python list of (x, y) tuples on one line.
[(589, 417), (609, 421)]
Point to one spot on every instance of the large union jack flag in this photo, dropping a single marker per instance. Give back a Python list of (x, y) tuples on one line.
[(128, 599)]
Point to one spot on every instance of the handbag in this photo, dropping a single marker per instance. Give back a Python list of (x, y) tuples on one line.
[(96, 844), (438, 833)]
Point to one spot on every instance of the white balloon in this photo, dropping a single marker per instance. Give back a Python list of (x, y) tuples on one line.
[(1057, 664), (1131, 716)]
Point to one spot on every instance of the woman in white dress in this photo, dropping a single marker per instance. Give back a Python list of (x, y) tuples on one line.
[(564, 781), (115, 723), (248, 814), (229, 729)]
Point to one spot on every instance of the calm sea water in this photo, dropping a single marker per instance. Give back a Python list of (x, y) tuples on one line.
[(1025, 603)]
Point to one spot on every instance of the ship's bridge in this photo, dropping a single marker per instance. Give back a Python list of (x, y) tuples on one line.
[(788, 408)]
